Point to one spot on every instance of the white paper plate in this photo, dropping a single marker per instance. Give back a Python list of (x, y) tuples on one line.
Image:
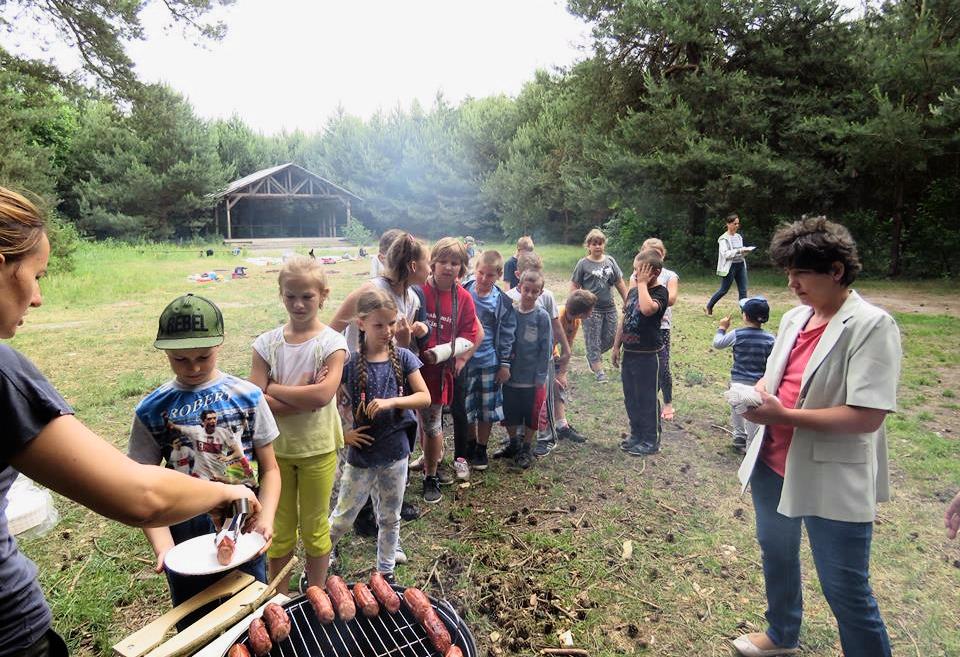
[(198, 556)]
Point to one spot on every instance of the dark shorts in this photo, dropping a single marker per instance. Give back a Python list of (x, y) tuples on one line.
[(521, 406), (49, 645)]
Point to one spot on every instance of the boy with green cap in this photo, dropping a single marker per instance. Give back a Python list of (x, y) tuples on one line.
[(206, 424)]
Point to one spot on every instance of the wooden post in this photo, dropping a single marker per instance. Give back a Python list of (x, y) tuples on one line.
[(229, 226)]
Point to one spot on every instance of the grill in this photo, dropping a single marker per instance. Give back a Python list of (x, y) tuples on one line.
[(386, 635)]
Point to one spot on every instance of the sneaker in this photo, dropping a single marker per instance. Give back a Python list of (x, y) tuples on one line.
[(417, 463), (462, 469), (479, 459), (399, 556), (642, 449), (544, 447), (445, 475), (601, 377), (431, 490), (302, 584), (391, 578), (509, 450), (524, 458), (628, 443), (740, 447), (571, 434)]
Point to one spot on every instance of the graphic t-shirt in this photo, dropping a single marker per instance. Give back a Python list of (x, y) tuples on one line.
[(486, 308), (307, 434), (207, 431), (27, 404), (642, 332), (391, 430), (599, 278)]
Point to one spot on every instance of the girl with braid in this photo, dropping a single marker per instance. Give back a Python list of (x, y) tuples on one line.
[(382, 385)]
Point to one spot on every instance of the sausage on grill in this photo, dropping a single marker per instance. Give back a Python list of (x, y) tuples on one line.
[(436, 631), (321, 604), (238, 650), (278, 623), (365, 600), (387, 597), (418, 602), (341, 598), (260, 641), (454, 652)]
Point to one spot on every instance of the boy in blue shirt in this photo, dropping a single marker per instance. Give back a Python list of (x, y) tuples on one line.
[(489, 367), (206, 424), (751, 348)]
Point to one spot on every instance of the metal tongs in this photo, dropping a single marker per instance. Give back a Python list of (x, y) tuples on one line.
[(233, 526)]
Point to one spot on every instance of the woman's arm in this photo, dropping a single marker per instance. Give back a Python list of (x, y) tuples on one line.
[(161, 541), (315, 395), (622, 289), (70, 459), (837, 419)]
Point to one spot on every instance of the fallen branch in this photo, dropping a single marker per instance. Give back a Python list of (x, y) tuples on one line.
[(568, 652), (668, 508), (550, 511), (717, 426)]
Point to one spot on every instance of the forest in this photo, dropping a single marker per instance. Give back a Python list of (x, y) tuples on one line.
[(684, 111)]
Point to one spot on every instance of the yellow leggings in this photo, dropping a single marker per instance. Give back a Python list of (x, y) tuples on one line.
[(306, 484)]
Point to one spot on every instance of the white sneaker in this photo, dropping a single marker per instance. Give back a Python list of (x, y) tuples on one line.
[(462, 468), (417, 463), (399, 556)]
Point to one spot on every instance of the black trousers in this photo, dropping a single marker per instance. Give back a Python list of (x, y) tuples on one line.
[(639, 372), (49, 645), (458, 410)]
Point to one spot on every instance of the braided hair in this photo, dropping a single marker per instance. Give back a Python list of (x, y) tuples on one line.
[(404, 250), (369, 302)]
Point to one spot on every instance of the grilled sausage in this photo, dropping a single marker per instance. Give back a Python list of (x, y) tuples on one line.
[(238, 650), (341, 598), (454, 652), (365, 600), (260, 641), (321, 604), (436, 631), (278, 623), (387, 597), (418, 602), (225, 551)]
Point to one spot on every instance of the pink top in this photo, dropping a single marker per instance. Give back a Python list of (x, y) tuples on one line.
[(774, 450)]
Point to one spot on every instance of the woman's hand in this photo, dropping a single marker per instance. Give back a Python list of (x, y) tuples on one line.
[(419, 329), (356, 438), (952, 517), (234, 492), (403, 330), (377, 406), (770, 411), (503, 375)]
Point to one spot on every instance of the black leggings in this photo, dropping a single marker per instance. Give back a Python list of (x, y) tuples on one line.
[(458, 409), (666, 379)]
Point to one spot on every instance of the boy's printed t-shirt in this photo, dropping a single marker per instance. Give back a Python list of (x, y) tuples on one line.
[(207, 431), (439, 377), (642, 332), (545, 301), (531, 348), (486, 308), (307, 434), (390, 429), (599, 278)]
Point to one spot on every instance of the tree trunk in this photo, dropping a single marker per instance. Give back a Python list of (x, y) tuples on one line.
[(697, 228), (896, 233)]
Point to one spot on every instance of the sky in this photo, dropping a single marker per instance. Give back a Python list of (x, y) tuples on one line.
[(288, 64)]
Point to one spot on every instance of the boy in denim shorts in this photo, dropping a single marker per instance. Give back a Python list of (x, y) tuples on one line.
[(489, 367)]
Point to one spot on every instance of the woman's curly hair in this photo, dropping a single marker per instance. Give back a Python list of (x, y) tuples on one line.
[(815, 243)]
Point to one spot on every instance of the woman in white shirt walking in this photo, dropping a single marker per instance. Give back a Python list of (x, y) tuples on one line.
[(730, 262)]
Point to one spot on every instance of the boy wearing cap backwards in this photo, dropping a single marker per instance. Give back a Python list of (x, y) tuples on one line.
[(751, 347), (206, 424)]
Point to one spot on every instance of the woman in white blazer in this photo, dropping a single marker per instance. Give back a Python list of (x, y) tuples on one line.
[(731, 263), (820, 456)]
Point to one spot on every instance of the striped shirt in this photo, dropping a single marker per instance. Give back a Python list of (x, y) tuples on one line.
[(751, 347)]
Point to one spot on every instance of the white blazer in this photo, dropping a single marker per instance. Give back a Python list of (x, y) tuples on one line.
[(835, 475), (725, 253)]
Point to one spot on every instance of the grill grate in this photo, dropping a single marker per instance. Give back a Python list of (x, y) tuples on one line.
[(386, 635)]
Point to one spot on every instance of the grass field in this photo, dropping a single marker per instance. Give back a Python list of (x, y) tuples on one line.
[(527, 556)]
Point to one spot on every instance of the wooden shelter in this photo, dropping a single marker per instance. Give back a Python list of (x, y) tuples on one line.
[(284, 201)]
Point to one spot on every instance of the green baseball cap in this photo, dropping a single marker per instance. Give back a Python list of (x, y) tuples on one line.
[(190, 322)]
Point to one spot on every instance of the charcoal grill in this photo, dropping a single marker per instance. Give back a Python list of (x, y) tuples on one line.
[(385, 635)]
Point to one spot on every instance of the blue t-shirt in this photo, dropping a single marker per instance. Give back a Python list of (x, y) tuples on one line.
[(392, 431), (486, 355), (27, 404), (207, 431)]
